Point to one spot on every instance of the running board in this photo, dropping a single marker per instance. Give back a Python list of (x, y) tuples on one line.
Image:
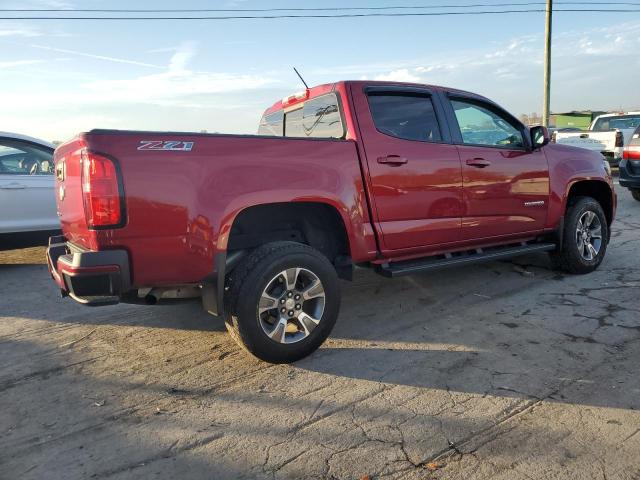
[(458, 259)]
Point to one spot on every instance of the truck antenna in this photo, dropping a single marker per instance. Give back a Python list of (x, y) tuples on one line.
[(300, 76)]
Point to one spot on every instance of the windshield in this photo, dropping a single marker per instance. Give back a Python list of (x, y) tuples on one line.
[(621, 122)]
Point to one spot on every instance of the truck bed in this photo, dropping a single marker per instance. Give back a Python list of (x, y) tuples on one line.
[(185, 201)]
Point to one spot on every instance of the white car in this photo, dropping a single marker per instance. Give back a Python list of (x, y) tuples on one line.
[(27, 196)]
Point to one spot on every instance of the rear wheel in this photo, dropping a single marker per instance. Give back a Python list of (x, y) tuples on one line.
[(282, 302), (635, 193), (586, 234)]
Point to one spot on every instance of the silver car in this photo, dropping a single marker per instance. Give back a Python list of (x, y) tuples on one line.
[(27, 197)]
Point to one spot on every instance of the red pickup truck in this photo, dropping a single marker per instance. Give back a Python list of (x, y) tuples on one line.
[(401, 178)]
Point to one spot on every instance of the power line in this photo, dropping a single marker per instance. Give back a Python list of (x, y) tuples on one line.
[(307, 9), (339, 15)]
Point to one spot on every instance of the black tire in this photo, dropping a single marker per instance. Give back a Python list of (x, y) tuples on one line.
[(635, 193), (569, 257), (245, 287)]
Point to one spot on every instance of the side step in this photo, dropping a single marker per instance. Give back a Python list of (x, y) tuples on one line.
[(457, 259)]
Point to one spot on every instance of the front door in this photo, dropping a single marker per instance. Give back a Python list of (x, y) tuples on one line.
[(505, 182), (416, 181), (27, 198)]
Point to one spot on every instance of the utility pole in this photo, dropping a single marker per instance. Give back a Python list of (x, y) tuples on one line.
[(547, 64)]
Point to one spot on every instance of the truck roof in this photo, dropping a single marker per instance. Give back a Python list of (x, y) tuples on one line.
[(330, 87)]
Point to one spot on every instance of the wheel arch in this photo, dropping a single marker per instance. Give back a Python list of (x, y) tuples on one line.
[(597, 189), (229, 252), (319, 224)]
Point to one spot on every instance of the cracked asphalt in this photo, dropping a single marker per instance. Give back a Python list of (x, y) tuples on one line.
[(507, 370)]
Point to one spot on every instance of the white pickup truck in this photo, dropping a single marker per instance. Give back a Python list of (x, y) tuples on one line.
[(607, 134)]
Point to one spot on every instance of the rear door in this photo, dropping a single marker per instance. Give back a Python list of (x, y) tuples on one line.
[(505, 182), (27, 198), (416, 181)]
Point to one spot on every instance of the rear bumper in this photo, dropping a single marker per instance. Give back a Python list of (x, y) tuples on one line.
[(90, 278), (630, 174)]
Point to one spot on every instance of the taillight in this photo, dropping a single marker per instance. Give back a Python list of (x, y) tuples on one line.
[(619, 139), (100, 191), (296, 98), (632, 152)]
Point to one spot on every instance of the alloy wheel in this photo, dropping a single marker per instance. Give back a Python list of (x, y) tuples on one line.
[(589, 235), (291, 305)]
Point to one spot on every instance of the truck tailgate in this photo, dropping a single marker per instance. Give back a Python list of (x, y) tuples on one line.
[(598, 141), (68, 187)]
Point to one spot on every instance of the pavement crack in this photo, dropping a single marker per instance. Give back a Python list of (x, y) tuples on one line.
[(168, 452)]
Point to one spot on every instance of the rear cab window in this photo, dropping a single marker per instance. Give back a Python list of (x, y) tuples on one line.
[(620, 122), (318, 117)]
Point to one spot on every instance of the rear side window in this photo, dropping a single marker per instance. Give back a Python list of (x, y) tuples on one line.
[(272, 124), (407, 116)]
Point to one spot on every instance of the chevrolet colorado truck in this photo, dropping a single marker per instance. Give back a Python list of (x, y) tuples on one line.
[(400, 178), (608, 134)]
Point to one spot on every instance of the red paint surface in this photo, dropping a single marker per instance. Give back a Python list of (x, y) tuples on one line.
[(180, 206)]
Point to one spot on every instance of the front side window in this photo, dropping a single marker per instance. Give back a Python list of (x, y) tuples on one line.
[(21, 158), (481, 126), (405, 115)]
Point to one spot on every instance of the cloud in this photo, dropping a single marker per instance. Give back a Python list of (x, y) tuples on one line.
[(401, 75), (585, 65), (18, 63), (97, 57), (175, 83), (57, 4), (19, 31)]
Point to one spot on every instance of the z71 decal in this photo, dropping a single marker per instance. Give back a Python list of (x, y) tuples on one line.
[(166, 145)]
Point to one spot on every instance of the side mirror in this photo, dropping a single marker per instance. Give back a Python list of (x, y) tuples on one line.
[(539, 136)]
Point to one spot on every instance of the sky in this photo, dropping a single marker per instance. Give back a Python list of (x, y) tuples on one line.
[(58, 78)]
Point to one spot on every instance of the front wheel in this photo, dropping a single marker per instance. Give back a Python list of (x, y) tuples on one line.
[(283, 301), (635, 193), (586, 234)]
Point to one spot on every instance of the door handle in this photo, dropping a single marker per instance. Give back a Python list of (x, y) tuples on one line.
[(393, 160), (12, 186), (478, 162)]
